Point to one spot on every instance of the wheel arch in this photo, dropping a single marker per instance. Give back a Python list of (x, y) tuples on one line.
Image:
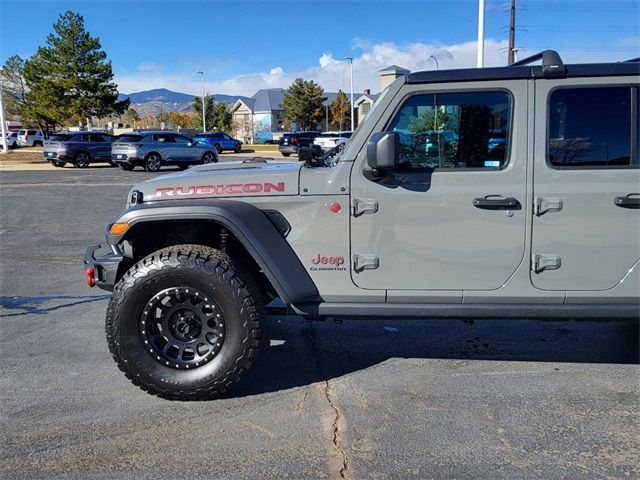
[(254, 241)]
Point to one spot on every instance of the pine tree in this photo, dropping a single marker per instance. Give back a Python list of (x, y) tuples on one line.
[(340, 111), (208, 112), (70, 79), (221, 118), (302, 103)]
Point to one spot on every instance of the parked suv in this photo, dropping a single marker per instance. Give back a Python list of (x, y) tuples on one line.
[(329, 140), (542, 224), (30, 138), (291, 142), (219, 140), (153, 150), (81, 148)]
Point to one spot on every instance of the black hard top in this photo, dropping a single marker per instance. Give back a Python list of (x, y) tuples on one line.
[(526, 71)]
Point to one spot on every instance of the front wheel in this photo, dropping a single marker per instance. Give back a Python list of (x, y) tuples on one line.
[(153, 163), (82, 160), (285, 154), (238, 148), (184, 323), (209, 157)]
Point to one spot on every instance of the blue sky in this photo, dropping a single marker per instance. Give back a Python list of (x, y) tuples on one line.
[(243, 46)]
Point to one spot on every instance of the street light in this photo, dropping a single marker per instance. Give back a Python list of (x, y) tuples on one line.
[(204, 122), (436, 60), (351, 82)]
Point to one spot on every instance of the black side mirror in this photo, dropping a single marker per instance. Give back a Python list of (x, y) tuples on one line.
[(383, 150)]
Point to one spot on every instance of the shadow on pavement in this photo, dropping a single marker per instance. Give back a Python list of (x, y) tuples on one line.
[(286, 359)]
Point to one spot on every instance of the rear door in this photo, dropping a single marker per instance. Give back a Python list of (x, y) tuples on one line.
[(586, 222), (184, 152)]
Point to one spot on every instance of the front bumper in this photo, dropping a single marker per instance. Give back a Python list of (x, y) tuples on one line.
[(105, 267)]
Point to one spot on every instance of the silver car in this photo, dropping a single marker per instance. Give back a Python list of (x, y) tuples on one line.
[(153, 150)]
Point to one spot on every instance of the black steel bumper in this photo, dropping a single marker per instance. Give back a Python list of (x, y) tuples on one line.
[(105, 267)]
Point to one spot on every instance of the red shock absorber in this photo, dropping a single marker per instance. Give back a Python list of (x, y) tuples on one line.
[(224, 237)]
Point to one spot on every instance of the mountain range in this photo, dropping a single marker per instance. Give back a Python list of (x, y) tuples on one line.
[(152, 102)]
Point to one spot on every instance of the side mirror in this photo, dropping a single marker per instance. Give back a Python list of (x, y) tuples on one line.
[(191, 144), (383, 150)]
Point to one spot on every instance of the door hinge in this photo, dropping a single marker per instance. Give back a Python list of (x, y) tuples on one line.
[(364, 205), (542, 205), (545, 262), (365, 262)]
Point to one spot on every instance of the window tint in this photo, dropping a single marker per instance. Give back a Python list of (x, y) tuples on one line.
[(108, 138), (32, 132), (129, 138), (454, 130), (163, 138), (96, 137), (181, 139), (59, 137), (591, 127)]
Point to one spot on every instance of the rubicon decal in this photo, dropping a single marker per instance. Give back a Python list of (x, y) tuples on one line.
[(222, 190), (327, 263)]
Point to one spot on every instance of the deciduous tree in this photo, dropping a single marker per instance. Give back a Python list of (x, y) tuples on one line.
[(340, 111)]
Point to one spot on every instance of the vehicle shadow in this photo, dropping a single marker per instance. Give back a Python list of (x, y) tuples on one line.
[(297, 352)]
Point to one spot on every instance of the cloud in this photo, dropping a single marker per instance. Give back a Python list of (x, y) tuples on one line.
[(333, 73), (150, 68)]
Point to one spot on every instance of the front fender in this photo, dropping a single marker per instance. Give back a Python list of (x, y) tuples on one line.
[(251, 227)]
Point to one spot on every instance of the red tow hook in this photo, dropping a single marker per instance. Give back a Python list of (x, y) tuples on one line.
[(91, 279)]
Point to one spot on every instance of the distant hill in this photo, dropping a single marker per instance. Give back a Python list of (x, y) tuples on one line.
[(160, 99)]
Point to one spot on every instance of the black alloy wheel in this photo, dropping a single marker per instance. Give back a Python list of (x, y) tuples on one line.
[(82, 160), (153, 162), (182, 328), (209, 157)]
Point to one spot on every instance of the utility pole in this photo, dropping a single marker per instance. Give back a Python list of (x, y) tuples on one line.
[(512, 33), (4, 130), (480, 62), (351, 83)]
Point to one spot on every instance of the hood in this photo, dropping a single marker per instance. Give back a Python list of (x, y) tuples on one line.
[(229, 179)]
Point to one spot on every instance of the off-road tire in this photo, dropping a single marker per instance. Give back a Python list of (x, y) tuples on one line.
[(209, 271)]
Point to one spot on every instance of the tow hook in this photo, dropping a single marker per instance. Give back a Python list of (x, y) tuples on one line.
[(91, 279)]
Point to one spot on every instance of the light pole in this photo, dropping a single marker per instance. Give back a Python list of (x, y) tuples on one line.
[(351, 82), (204, 122), (480, 62), (436, 60), (4, 130)]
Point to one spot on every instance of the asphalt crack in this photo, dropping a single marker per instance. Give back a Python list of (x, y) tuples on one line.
[(338, 439)]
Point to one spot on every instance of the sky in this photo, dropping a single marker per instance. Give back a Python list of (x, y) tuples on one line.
[(242, 46)]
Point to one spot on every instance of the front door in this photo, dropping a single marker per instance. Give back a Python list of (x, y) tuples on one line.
[(452, 215), (586, 222)]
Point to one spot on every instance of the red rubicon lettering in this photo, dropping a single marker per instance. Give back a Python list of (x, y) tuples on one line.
[(165, 191), (277, 187), (230, 189)]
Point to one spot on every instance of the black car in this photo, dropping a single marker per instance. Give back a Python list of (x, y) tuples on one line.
[(290, 142), (78, 148)]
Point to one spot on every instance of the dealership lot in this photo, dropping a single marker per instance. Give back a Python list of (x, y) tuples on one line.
[(377, 399)]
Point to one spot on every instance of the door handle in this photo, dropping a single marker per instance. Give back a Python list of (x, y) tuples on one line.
[(497, 203), (628, 201)]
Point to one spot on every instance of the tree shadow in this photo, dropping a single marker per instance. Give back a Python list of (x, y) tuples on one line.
[(294, 348)]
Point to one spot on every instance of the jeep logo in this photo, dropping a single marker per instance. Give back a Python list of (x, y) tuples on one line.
[(321, 260)]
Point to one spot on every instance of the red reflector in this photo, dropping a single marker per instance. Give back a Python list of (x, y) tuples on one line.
[(335, 207), (91, 280)]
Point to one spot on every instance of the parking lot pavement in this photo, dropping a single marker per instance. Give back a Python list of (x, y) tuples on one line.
[(371, 399)]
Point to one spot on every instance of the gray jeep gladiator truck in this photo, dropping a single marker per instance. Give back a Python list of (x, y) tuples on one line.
[(506, 192)]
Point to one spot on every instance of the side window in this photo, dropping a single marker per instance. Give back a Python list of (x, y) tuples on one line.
[(163, 138), (181, 139), (592, 127), (96, 137), (108, 138), (454, 130)]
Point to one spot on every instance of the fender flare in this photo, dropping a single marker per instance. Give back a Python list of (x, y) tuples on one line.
[(251, 227)]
